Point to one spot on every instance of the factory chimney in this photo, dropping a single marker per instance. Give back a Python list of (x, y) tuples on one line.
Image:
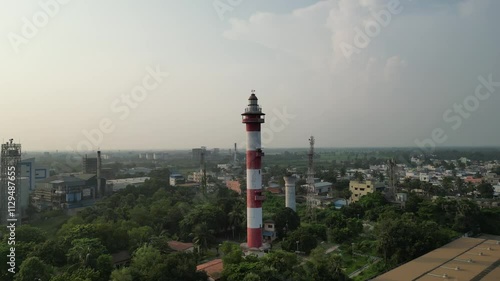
[(235, 154), (98, 175)]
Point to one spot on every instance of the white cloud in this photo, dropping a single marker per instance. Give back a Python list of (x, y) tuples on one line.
[(384, 78)]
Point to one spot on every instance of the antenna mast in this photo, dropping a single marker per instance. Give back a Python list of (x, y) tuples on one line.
[(310, 180), (391, 173), (203, 171)]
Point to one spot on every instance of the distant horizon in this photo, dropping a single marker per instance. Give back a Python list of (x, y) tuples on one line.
[(274, 148)]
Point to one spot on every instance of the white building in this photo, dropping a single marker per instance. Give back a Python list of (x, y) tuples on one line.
[(424, 177), (119, 184), (320, 187), (176, 179), (32, 173)]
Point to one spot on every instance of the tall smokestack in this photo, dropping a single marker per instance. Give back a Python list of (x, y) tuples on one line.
[(98, 175), (290, 192), (253, 117), (235, 153)]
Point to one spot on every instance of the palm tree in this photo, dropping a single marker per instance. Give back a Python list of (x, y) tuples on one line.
[(236, 216), (202, 236)]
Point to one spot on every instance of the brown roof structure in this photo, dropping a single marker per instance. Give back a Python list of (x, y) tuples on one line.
[(121, 257), (179, 246), (274, 190), (464, 259), (213, 268)]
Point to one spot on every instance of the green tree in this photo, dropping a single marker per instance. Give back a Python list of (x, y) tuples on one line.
[(284, 264), (104, 266), (299, 239), (27, 234), (236, 218), (203, 237), (81, 274), (140, 215), (252, 277), (122, 274), (400, 239), (180, 266), (343, 171), (33, 269), (85, 251), (286, 220), (139, 236), (486, 190), (146, 263), (232, 253), (342, 229), (51, 252), (321, 268)]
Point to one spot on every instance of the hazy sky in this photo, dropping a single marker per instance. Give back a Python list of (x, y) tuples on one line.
[(66, 67)]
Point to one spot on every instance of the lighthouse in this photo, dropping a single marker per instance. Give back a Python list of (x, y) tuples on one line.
[(252, 118)]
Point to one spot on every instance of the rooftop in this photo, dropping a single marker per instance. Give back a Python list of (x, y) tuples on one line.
[(129, 180), (179, 246), (212, 268), (463, 259)]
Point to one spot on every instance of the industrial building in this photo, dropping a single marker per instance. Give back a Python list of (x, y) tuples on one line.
[(65, 192), (89, 165), (318, 188), (33, 173), (119, 184), (464, 259), (197, 152), (10, 180)]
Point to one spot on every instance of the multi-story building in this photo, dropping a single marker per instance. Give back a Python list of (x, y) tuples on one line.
[(424, 177), (65, 192), (176, 179), (492, 178), (362, 188), (89, 165), (32, 172)]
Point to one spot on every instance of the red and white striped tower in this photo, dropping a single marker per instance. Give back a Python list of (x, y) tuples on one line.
[(253, 117)]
